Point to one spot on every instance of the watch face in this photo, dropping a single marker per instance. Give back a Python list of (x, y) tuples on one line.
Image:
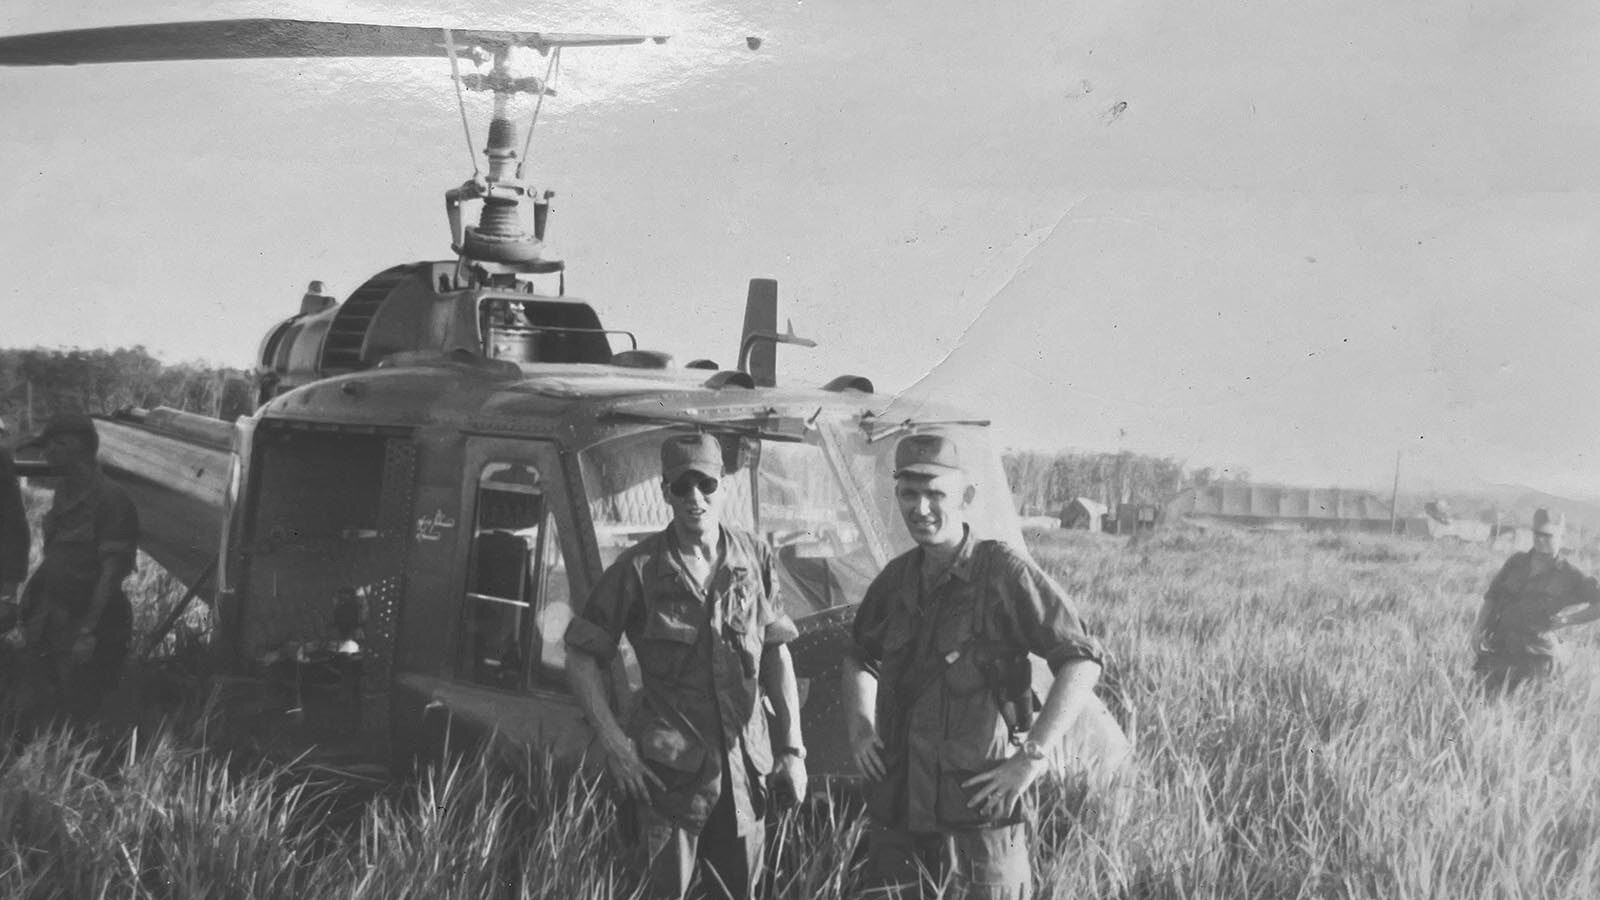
[(1032, 750)]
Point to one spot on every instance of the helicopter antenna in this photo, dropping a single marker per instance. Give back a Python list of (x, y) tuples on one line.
[(461, 101)]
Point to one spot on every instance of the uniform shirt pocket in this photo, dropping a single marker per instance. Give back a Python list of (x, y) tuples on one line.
[(674, 622)]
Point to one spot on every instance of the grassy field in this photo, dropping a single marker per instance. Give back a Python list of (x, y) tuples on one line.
[(1306, 727)]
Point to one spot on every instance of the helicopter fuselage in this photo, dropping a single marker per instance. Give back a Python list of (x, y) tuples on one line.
[(399, 549)]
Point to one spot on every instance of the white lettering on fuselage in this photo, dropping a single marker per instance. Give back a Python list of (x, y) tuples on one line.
[(432, 528)]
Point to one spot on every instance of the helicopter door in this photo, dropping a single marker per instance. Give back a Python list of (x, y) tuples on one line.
[(516, 595), (518, 599)]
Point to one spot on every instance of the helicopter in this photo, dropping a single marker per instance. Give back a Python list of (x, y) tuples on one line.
[(440, 466)]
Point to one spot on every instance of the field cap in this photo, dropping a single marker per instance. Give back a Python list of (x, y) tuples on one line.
[(66, 423), (926, 454), (1545, 523), (691, 453)]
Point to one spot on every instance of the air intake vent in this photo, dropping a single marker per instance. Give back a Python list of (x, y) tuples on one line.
[(341, 351)]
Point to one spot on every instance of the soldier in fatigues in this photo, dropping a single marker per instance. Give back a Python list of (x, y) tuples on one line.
[(1535, 593), (937, 691), (77, 620), (14, 538), (698, 602)]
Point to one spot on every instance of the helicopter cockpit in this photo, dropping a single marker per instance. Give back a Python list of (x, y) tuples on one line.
[(824, 502)]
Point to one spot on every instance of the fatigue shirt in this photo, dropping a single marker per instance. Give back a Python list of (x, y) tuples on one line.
[(936, 713), (1520, 605), (699, 658), (79, 532), (14, 537)]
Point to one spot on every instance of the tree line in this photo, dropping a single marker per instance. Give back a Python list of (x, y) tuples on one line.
[(1044, 483), (37, 382)]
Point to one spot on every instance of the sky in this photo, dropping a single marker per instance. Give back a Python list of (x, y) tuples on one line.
[(1292, 239)]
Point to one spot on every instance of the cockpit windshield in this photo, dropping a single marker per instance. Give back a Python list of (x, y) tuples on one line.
[(824, 503)]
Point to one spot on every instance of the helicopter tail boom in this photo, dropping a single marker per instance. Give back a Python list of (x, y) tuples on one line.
[(174, 465)]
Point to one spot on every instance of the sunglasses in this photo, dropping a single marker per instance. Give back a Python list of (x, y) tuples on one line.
[(690, 481)]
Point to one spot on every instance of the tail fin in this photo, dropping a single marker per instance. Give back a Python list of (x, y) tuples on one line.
[(761, 314)]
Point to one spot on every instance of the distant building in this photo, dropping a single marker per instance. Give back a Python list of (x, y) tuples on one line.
[(1132, 518), (1330, 509), (1083, 514)]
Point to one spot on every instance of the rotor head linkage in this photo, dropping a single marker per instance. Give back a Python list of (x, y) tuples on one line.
[(500, 237)]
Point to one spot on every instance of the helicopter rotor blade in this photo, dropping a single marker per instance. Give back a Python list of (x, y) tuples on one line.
[(272, 39)]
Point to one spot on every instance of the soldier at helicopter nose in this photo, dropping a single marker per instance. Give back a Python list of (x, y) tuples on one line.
[(698, 602), (937, 688), (77, 620)]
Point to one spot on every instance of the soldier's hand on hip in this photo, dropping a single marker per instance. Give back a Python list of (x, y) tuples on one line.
[(630, 771), (1000, 788), (867, 751)]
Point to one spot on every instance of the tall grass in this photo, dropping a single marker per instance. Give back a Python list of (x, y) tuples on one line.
[(1307, 727)]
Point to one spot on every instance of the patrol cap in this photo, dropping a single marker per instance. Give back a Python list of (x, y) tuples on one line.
[(66, 423), (691, 453), (927, 455), (1545, 523)]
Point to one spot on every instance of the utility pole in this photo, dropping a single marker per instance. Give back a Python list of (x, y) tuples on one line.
[(1394, 495)]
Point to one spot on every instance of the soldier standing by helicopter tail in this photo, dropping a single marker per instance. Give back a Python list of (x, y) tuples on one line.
[(14, 538), (937, 692), (1535, 593), (78, 621), (698, 602)]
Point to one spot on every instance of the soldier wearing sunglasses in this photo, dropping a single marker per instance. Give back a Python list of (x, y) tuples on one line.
[(698, 602)]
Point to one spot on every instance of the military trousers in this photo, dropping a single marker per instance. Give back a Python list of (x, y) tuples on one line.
[(715, 862), (961, 864), (79, 686), (1503, 674)]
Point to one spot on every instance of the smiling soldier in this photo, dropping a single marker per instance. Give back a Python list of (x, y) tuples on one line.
[(937, 691), (698, 602)]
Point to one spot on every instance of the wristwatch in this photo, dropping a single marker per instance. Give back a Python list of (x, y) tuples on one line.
[(1033, 750), (796, 752)]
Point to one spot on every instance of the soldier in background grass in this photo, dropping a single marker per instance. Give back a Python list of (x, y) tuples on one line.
[(1535, 593), (77, 620), (14, 537)]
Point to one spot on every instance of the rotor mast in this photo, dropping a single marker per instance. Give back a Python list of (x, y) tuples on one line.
[(500, 245)]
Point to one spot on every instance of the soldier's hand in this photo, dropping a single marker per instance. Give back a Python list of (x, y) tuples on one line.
[(83, 648), (867, 750), (634, 777), (791, 770), (1001, 788)]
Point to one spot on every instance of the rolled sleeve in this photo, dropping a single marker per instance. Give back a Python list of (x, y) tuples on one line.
[(585, 635), (614, 601), (117, 529), (1045, 619), (866, 632), (780, 631), (777, 627)]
